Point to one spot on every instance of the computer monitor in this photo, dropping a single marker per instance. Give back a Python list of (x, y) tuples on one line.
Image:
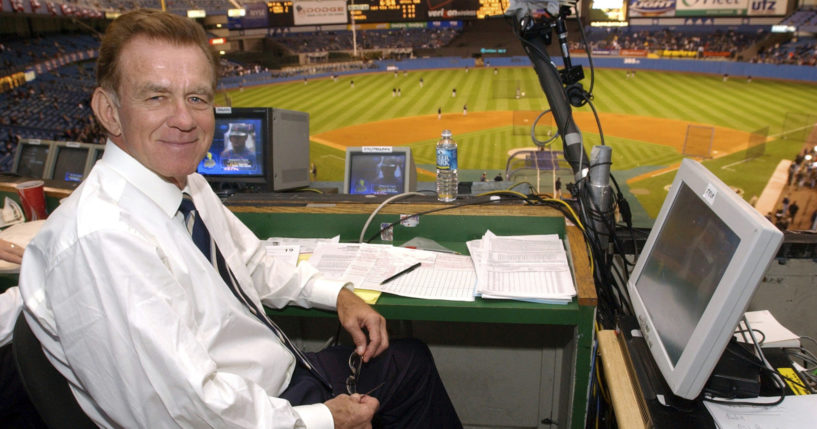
[(70, 163), (258, 149), (31, 158), (97, 153), (692, 282), (379, 170)]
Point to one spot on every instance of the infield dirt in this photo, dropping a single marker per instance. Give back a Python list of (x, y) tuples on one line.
[(403, 131)]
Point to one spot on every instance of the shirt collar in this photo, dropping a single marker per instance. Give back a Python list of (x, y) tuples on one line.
[(165, 194)]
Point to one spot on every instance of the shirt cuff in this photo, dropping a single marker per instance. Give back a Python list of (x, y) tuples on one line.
[(315, 416), (325, 292)]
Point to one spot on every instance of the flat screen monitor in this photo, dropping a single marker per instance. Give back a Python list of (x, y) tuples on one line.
[(70, 163), (692, 282), (99, 150), (31, 158), (258, 149), (379, 170)]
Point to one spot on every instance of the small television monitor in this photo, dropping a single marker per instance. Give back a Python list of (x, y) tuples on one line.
[(258, 149), (70, 163), (31, 158), (692, 282), (379, 170), (97, 153)]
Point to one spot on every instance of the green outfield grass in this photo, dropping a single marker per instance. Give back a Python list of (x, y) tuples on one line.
[(706, 99)]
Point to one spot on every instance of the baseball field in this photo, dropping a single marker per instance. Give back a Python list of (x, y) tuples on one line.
[(646, 119)]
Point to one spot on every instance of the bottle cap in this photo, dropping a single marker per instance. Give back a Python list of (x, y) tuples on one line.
[(447, 134)]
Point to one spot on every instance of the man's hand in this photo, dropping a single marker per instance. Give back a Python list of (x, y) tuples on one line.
[(352, 412), (11, 252), (354, 315)]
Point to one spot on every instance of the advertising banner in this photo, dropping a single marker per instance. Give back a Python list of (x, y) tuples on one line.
[(318, 12), (256, 16), (767, 7), (711, 7), (652, 8), (633, 53)]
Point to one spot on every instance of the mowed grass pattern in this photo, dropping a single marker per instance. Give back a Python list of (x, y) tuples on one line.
[(695, 98)]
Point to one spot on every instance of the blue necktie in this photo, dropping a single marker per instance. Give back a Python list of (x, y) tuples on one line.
[(201, 237)]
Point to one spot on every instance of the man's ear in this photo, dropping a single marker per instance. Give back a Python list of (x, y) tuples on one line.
[(106, 111)]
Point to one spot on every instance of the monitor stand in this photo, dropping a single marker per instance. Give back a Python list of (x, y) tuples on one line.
[(659, 407)]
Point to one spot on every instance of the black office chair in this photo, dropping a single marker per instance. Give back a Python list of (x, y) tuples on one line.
[(47, 388)]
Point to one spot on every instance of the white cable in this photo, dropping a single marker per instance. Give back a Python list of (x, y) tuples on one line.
[(383, 204)]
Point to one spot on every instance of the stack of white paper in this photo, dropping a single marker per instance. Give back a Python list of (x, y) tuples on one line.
[(769, 331), (446, 276), (529, 267), (440, 276)]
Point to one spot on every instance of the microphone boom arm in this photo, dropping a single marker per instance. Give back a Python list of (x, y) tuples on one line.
[(551, 84)]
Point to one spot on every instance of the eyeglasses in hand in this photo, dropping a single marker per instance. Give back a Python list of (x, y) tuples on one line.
[(355, 363)]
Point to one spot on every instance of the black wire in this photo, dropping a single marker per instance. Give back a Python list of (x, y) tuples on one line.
[(758, 363), (586, 49), (588, 98)]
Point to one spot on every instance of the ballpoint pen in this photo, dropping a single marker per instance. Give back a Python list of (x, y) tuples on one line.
[(406, 271)]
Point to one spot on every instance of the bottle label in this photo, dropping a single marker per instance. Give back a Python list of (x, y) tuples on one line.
[(446, 159)]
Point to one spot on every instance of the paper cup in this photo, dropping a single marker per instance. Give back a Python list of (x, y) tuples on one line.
[(32, 198)]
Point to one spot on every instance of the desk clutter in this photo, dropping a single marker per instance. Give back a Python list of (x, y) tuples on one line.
[(641, 395), (529, 268)]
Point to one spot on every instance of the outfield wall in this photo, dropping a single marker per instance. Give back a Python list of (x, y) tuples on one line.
[(734, 69)]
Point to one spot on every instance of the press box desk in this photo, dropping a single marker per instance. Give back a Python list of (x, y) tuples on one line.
[(505, 363)]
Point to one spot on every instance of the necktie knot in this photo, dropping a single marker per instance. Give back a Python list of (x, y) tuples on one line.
[(186, 207)]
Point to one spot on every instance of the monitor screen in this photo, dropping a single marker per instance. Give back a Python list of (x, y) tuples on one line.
[(98, 152), (31, 159), (701, 263), (237, 149), (377, 170), (69, 163), (682, 271)]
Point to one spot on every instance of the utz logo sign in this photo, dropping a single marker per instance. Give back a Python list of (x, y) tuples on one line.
[(767, 7), (652, 7)]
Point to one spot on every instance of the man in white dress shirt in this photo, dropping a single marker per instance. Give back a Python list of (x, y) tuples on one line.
[(16, 410), (140, 322)]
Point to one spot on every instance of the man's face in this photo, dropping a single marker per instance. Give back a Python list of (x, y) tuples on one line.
[(238, 141), (165, 106)]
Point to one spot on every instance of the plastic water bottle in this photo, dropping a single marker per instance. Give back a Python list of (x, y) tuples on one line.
[(447, 168)]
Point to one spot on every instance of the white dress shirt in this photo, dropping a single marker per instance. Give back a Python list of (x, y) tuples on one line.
[(10, 305), (143, 326)]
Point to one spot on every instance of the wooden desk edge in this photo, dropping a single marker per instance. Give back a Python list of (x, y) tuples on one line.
[(585, 285), (49, 191), (367, 208), (618, 381)]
